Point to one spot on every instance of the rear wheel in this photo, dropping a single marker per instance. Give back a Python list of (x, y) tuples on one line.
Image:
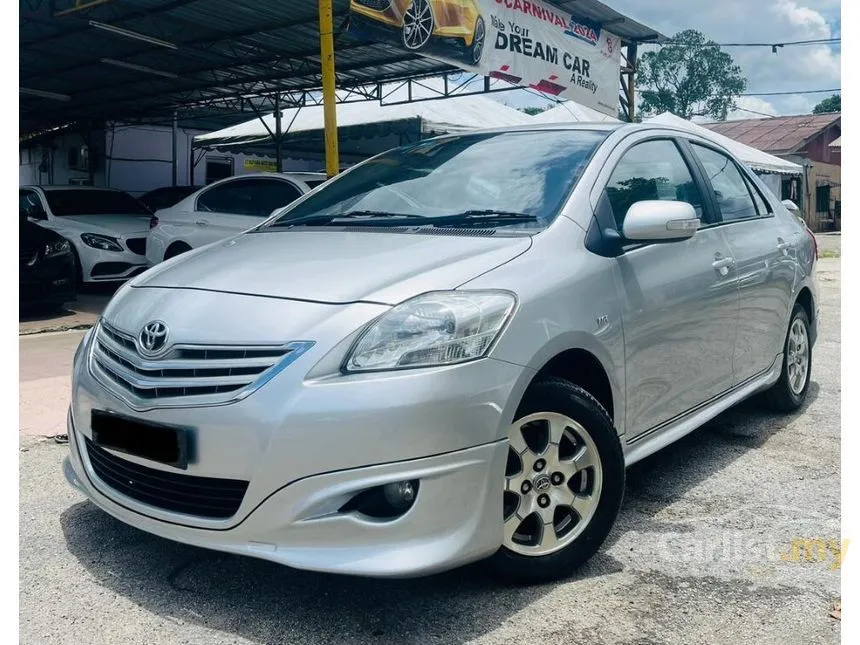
[(177, 248), (477, 48), (564, 482), (790, 391)]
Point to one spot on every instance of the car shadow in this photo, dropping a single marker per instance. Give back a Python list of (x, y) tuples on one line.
[(267, 603), (91, 300), (36, 313), (664, 477)]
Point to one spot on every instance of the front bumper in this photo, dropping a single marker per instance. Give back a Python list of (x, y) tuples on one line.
[(110, 266), (309, 440), (456, 517)]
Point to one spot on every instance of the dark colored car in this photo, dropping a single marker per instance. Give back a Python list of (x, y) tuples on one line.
[(166, 196), (46, 267)]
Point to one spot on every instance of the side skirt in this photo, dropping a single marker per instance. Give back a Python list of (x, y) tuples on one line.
[(658, 437)]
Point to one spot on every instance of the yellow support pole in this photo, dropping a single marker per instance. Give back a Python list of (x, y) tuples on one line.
[(332, 164)]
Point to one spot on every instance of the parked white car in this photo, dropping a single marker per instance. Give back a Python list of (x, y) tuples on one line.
[(224, 208), (107, 228)]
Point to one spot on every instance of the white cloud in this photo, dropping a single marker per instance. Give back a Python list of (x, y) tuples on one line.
[(769, 21), (807, 19), (752, 107)]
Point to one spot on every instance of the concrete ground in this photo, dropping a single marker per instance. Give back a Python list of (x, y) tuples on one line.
[(702, 552)]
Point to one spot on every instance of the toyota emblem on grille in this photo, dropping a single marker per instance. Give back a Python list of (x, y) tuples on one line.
[(153, 337)]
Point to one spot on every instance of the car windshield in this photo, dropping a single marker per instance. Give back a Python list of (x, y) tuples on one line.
[(516, 179), (93, 202)]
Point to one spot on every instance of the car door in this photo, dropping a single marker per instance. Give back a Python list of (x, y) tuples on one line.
[(763, 248), (679, 301), (235, 206)]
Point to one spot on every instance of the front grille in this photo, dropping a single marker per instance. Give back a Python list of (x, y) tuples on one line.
[(200, 496), (376, 5), (137, 245), (185, 374)]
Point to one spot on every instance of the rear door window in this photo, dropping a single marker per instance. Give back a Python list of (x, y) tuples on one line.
[(256, 197)]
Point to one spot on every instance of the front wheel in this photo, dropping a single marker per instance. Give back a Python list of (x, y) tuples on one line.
[(418, 25), (790, 391), (563, 484)]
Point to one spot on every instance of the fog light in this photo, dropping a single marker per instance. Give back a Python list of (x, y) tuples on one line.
[(399, 494), (384, 502)]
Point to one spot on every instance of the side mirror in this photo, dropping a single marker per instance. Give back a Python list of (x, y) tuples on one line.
[(791, 206), (660, 221)]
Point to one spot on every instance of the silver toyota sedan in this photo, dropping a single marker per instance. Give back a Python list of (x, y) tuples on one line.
[(449, 353)]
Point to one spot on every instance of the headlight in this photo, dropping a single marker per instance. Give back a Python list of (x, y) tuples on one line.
[(53, 249), (101, 242), (440, 328)]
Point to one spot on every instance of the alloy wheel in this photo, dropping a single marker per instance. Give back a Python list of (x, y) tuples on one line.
[(798, 356), (478, 42), (417, 24), (553, 482)]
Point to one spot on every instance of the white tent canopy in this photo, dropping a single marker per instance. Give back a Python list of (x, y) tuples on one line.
[(454, 114), (756, 159), (572, 111)]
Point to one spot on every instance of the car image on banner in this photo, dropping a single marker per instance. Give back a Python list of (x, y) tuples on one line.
[(523, 42), (455, 27)]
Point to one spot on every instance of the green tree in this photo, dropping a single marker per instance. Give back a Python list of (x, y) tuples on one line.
[(832, 104), (689, 76)]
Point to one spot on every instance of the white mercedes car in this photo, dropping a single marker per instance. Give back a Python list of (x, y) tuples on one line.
[(107, 228), (222, 209)]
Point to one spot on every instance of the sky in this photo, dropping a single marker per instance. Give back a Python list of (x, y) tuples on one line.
[(808, 67)]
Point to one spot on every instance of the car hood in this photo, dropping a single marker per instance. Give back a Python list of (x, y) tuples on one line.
[(337, 266), (112, 225)]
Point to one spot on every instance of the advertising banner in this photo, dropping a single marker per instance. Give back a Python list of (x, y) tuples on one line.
[(524, 42)]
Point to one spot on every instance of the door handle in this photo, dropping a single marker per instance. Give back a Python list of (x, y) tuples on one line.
[(723, 263), (202, 222), (782, 246)]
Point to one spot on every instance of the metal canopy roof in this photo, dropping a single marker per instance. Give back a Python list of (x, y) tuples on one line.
[(208, 59)]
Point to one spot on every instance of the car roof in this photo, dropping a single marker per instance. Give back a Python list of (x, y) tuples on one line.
[(300, 175), (621, 128)]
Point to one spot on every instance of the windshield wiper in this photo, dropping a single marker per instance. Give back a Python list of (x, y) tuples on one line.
[(480, 217), (331, 218), (381, 218)]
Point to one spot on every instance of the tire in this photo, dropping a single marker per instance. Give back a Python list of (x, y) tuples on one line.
[(787, 395), (477, 48), (177, 248), (418, 25), (570, 411)]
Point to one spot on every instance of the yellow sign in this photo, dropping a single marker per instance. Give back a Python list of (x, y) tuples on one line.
[(261, 165)]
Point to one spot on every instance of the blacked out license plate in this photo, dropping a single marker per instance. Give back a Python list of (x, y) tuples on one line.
[(162, 443)]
